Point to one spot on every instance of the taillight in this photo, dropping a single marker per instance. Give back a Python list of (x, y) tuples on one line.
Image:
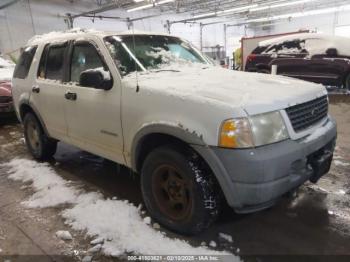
[(251, 57)]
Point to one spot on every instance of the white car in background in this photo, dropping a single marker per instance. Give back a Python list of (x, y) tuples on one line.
[(197, 134)]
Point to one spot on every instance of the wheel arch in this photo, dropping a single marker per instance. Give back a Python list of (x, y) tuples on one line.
[(184, 139), (154, 135), (26, 107)]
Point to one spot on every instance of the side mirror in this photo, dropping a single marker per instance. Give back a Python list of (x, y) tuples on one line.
[(331, 52), (96, 79)]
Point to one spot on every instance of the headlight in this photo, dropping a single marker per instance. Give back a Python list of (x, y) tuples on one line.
[(256, 130), (268, 128), (236, 133)]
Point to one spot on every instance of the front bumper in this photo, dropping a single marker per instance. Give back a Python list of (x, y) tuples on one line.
[(256, 178)]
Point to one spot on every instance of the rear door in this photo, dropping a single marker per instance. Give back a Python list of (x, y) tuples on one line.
[(47, 92), (93, 115), (326, 69)]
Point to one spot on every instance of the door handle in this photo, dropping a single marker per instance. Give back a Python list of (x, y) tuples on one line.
[(70, 96), (36, 89)]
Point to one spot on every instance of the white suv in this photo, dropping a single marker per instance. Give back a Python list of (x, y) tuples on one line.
[(197, 134)]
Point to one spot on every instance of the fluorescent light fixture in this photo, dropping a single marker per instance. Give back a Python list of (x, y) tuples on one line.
[(260, 8), (139, 8), (237, 9), (204, 15), (232, 10), (138, 1), (301, 14), (148, 5)]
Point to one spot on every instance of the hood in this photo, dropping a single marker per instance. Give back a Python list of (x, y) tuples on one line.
[(255, 93)]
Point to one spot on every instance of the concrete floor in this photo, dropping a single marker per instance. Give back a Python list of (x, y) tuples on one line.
[(315, 222)]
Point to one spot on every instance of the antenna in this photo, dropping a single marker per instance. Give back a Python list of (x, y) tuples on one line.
[(134, 43)]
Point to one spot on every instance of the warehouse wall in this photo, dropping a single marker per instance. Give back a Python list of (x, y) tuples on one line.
[(325, 23), (24, 19), (21, 21)]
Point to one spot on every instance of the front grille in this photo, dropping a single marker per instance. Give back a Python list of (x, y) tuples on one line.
[(307, 114), (5, 99)]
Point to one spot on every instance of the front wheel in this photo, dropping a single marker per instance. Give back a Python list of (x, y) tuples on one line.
[(179, 191), (39, 145)]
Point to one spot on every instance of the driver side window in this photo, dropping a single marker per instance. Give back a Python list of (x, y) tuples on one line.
[(85, 57)]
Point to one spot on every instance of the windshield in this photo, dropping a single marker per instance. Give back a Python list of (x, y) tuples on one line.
[(151, 52)]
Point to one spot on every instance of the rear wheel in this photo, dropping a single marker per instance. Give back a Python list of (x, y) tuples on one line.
[(179, 192), (39, 145)]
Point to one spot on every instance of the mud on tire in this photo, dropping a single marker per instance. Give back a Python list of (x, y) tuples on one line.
[(38, 143), (193, 187)]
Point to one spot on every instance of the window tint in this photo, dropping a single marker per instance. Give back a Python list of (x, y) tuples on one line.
[(85, 57), (24, 62), (54, 62)]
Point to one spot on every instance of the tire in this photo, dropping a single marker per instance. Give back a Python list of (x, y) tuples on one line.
[(179, 191), (38, 143)]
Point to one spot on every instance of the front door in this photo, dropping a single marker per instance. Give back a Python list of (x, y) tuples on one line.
[(93, 114)]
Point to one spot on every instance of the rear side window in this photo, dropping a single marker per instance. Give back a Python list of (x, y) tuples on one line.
[(24, 62), (52, 62)]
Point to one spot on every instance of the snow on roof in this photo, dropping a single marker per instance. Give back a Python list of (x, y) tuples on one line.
[(318, 43), (57, 35), (72, 33)]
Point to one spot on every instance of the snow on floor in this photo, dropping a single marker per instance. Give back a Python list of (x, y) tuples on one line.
[(50, 189), (340, 163), (116, 221)]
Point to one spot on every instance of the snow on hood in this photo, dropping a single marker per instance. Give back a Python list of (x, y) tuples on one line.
[(256, 93), (315, 43)]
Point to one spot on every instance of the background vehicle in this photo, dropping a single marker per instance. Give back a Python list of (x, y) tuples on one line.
[(313, 57), (197, 134), (6, 71)]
